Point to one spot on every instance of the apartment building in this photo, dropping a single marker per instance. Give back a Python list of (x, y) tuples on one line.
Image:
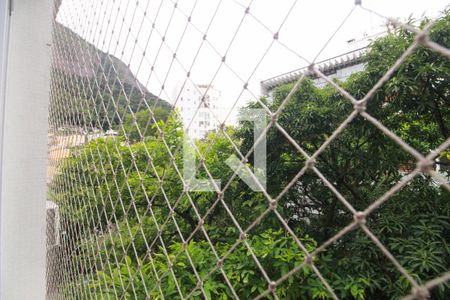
[(199, 108)]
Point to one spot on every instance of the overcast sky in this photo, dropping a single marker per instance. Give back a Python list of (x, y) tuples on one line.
[(306, 26)]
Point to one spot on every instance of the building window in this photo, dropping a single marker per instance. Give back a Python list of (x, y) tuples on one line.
[(204, 115)]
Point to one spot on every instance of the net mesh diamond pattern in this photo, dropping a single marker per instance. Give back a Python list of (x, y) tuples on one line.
[(126, 220)]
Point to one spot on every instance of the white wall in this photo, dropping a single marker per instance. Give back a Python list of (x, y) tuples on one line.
[(24, 152), (188, 104)]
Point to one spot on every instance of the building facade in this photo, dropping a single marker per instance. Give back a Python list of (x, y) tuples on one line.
[(199, 109), (339, 67)]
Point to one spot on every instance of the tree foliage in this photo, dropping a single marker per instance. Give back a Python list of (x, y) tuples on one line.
[(361, 163)]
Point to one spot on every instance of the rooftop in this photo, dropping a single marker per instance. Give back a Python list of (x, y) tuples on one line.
[(328, 66)]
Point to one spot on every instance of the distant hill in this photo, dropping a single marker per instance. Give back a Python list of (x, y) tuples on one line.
[(89, 75)]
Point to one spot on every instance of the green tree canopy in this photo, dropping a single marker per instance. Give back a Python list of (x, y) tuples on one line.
[(130, 187)]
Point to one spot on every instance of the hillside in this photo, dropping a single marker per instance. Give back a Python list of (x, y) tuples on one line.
[(98, 78)]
